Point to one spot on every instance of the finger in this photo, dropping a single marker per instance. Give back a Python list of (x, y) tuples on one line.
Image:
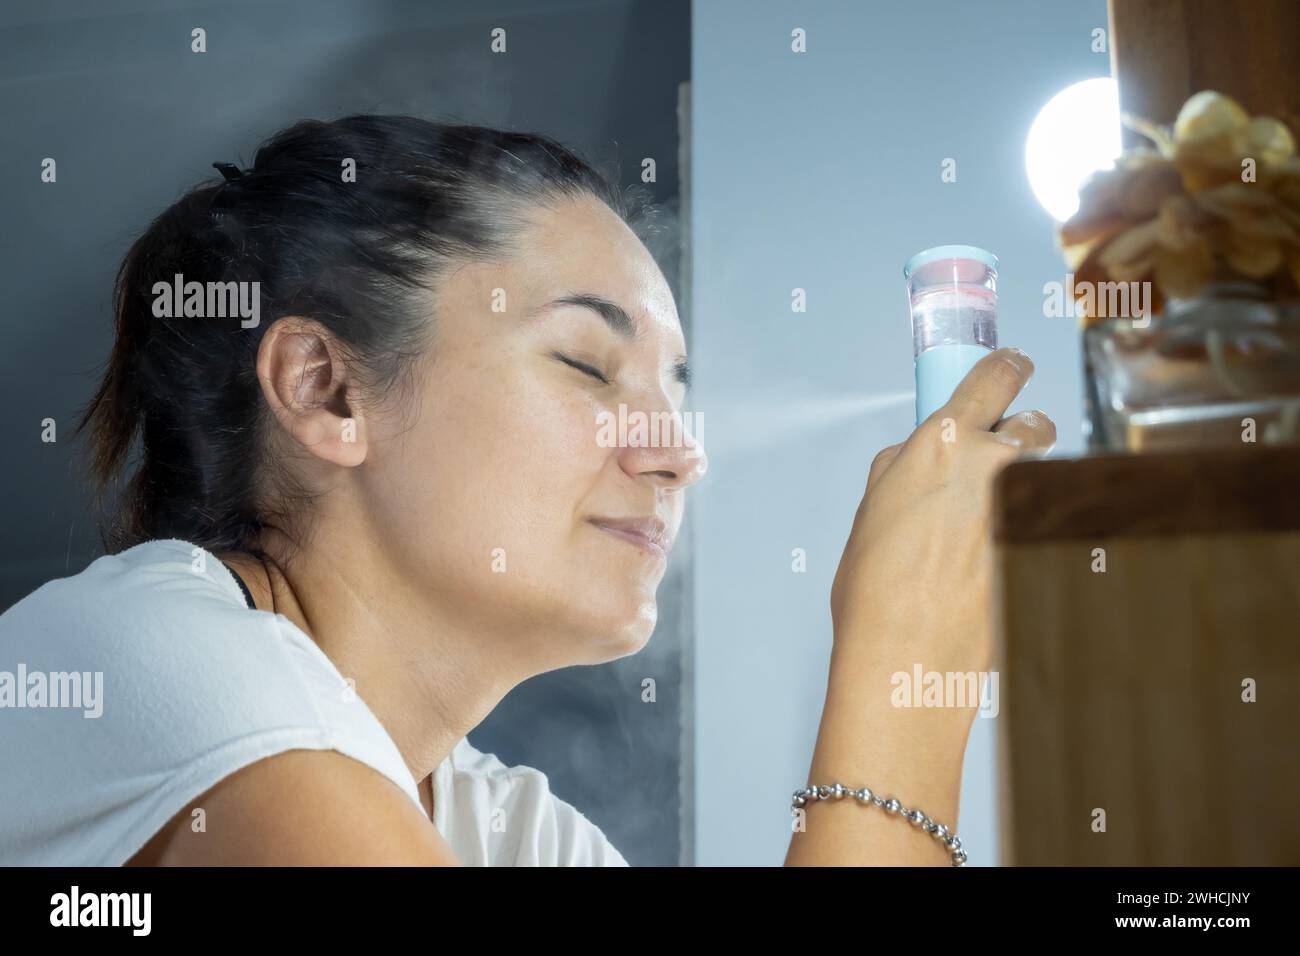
[(984, 394), (1031, 432)]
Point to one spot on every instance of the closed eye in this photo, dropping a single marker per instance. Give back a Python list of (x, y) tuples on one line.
[(581, 367)]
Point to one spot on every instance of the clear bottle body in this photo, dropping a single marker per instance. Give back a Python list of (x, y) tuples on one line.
[(952, 292)]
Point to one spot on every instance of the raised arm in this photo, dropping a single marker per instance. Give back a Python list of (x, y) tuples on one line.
[(913, 588)]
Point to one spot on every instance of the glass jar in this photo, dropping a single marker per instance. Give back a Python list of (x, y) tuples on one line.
[(1220, 369)]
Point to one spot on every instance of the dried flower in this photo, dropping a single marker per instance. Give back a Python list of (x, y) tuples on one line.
[(1217, 198)]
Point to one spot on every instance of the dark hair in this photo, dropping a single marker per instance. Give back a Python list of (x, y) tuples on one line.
[(352, 255)]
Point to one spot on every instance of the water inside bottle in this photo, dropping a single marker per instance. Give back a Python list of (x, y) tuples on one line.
[(954, 315)]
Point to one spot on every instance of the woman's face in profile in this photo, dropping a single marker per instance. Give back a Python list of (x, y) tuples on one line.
[(499, 496)]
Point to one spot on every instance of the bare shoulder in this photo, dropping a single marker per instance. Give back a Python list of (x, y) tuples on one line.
[(300, 808)]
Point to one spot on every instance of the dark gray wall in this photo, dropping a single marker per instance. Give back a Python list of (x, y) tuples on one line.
[(133, 118)]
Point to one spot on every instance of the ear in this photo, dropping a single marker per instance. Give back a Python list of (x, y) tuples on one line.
[(306, 384)]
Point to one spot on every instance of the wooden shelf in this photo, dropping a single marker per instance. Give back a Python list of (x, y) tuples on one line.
[(1122, 690), (1163, 51)]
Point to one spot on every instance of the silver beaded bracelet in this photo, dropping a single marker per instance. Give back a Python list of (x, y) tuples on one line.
[(937, 830)]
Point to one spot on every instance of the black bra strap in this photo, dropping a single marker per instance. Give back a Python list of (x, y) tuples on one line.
[(248, 595)]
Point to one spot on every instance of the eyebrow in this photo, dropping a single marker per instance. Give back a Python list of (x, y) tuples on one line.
[(617, 318)]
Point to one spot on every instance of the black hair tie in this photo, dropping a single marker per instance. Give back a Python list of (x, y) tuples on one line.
[(222, 196)]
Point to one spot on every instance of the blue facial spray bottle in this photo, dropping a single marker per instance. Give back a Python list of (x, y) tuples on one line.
[(954, 303)]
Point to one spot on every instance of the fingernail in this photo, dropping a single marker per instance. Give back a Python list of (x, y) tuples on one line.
[(1022, 359)]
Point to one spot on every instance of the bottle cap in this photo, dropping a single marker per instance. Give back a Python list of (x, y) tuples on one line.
[(950, 252)]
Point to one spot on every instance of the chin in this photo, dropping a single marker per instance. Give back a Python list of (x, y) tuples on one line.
[(625, 634)]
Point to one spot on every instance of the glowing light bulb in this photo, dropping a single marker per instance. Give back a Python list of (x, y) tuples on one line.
[(1076, 134)]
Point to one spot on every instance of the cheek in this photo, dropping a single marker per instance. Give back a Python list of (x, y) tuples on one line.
[(556, 432), (513, 462), (504, 461)]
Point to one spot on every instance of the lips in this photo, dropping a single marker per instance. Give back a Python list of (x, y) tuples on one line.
[(651, 534)]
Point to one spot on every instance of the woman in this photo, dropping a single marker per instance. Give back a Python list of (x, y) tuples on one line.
[(374, 502)]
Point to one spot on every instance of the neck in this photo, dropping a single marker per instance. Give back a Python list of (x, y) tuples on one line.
[(428, 674)]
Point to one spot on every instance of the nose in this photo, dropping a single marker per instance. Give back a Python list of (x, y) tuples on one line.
[(663, 445)]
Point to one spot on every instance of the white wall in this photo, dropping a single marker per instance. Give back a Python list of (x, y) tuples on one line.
[(822, 171)]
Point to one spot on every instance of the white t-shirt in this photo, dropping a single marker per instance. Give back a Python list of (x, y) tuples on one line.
[(128, 690)]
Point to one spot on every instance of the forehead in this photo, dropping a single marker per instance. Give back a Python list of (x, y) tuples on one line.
[(581, 246)]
